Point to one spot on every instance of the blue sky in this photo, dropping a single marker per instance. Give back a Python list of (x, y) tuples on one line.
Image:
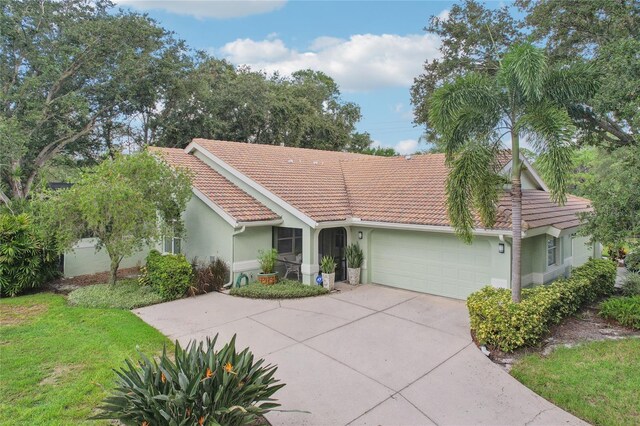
[(373, 49)]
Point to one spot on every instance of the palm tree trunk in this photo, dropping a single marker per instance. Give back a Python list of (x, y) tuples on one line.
[(516, 219)]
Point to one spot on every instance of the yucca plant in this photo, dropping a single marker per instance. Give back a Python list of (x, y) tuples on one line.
[(201, 386), (354, 255)]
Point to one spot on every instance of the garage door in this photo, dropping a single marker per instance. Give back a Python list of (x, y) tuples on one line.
[(431, 263)]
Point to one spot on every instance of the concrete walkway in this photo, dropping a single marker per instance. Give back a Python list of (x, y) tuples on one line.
[(370, 356)]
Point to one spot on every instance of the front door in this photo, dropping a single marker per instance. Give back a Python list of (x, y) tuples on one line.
[(332, 242)]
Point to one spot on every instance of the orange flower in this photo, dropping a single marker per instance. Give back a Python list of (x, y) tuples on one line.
[(209, 373), (228, 367), (145, 423), (163, 378), (201, 421)]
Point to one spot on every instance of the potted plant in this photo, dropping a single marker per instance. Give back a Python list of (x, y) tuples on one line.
[(328, 267), (267, 260), (354, 263)]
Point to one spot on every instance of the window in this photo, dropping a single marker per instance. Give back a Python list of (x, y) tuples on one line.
[(552, 249), (172, 245), (287, 240)]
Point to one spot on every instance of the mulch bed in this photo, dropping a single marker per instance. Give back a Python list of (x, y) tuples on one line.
[(585, 326), (67, 285)]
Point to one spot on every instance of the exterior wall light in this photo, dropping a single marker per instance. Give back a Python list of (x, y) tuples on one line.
[(500, 247), (359, 235)]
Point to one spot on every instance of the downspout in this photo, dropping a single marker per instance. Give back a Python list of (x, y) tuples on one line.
[(233, 240)]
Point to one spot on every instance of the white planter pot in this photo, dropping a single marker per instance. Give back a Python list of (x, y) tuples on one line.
[(328, 280), (354, 275)]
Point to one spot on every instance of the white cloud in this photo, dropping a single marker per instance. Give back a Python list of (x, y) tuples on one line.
[(361, 63), (219, 9), (407, 146), (444, 15)]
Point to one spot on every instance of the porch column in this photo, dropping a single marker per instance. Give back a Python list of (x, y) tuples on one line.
[(309, 265)]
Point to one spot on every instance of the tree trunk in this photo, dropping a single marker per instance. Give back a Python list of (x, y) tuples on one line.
[(115, 264), (516, 219)]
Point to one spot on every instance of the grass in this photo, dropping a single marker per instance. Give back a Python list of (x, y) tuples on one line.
[(625, 310), (598, 381), (125, 294), (285, 289), (57, 359)]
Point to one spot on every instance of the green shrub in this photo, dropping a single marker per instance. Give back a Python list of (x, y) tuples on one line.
[(125, 294), (354, 255), (201, 386), (498, 322), (284, 289), (26, 260), (267, 260), (208, 276), (328, 265), (625, 310), (169, 274), (631, 284), (632, 261)]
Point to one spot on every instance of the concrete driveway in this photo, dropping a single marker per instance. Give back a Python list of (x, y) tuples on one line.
[(368, 356)]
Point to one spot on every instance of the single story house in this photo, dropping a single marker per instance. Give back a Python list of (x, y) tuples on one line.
[(248, 197)]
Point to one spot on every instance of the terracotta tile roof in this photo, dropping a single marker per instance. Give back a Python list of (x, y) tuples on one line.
[(310, 180), (235, 202), (327, 186), (538, 210)]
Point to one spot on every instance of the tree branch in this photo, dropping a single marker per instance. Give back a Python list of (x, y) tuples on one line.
[(55, 147)]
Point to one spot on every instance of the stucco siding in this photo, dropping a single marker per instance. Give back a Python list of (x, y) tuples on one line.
[(206, 233), (247, 245), (84, 260), (582, 251)]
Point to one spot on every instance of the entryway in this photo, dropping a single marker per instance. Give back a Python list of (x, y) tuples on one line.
[(332, 242)]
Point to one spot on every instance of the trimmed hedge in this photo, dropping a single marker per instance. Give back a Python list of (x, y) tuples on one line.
[(500, 323), (170, 274)]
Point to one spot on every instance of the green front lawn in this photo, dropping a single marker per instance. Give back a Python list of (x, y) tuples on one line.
[(598, 381), (56, 360), (284, 289)]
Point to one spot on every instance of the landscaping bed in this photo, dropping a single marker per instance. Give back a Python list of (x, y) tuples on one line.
[(67, 285), (124, 294), (284, 289), (57, 360)]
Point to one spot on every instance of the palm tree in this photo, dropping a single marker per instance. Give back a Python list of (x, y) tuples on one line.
[(475, 114)]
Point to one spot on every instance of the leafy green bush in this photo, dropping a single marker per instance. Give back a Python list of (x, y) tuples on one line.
[(632, 261), (354, 255), (26, 259), (267, 260), (125, 294), (201, 386), (208, 276), (625, 310), (631, 284), (170, 274), (327, 265), (284, 289), (498, 322)]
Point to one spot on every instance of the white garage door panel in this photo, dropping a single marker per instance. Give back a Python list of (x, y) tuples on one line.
[(430, 263)]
